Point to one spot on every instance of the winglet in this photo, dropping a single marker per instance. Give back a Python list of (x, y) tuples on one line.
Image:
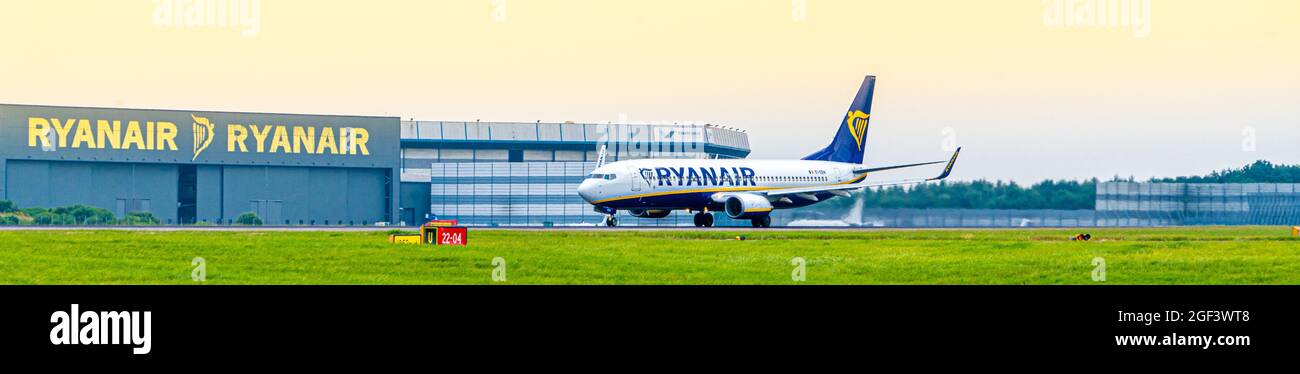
[(948, 170)]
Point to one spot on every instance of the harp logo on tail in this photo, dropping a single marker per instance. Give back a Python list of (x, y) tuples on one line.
[(857, 122), (203, 133)]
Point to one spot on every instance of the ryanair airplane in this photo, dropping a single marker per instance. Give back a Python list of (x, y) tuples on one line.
[(744, 189)]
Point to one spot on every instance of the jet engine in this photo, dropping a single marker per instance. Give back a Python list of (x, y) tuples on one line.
[(641, 213), (747, 206)]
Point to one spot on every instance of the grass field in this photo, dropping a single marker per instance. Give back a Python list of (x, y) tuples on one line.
[(1252, 255)]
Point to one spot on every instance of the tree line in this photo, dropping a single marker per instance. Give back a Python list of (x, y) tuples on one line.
[(982, 194), (1258, 172), (1063, 194)]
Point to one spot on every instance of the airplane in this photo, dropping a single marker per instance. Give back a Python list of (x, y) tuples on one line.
[(744, 189)]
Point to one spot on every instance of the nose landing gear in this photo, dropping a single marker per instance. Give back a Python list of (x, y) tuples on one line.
[(611, 215)]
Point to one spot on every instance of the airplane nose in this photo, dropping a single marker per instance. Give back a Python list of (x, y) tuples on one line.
[(587, 190)]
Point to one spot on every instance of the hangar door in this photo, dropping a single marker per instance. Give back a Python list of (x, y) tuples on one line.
[(270, 210), (120, 188), (304, 195)]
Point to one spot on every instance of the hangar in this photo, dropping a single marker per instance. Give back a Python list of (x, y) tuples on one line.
[(201, 166)]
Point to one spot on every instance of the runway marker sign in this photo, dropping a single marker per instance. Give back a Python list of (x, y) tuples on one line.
[(453, 236)]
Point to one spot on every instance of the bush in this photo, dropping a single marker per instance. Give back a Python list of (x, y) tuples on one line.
[(87, 215), (9, 221), (248, 219), (7, 206), (40, 217), (49, 218), (140, 219)]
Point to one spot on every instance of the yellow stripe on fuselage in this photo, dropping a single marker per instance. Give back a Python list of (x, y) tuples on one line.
[(726, 189)]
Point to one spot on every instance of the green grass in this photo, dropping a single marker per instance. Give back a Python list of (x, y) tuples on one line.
[(1251, 255)]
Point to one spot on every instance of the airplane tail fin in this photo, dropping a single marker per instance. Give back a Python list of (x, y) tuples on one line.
[(851, 141)]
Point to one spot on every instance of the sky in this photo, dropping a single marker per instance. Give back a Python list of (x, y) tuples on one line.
[(1032, 89)]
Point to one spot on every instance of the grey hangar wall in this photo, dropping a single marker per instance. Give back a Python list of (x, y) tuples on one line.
[(203, 166)]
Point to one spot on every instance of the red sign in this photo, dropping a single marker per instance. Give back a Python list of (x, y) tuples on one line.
[(452, 236)]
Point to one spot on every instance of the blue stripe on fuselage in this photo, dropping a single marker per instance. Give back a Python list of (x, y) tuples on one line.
[(697, 200)]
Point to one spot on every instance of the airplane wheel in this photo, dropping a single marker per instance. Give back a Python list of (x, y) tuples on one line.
[(708, 219), (699, 220), (611, 221), (765, 221)]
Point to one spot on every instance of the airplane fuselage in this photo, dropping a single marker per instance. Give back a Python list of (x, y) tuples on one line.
[(745, 189), (677, 184)]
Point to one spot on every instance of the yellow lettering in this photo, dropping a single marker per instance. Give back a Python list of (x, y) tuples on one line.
[(63, 128), (84, 136), (304, 139), (133, 136), (166, 136), (345, 140), (110, 136), (38, 128), (148, 136), (260, 137), (236, 134), (326, 141), (281, 140), (359, 138), (161, 136)]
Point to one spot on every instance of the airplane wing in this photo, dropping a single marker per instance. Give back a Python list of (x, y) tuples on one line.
[(873, 170), (810, 190)]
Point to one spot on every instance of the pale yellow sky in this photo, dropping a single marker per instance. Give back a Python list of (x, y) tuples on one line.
[(1029, 100)]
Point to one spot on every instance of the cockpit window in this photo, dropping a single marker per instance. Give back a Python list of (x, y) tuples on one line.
[(608, 177)]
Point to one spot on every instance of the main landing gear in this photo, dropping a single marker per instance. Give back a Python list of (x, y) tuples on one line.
[(764, 221), (704, 219), (611, 220)]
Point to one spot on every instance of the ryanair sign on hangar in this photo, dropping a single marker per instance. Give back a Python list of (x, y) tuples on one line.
[(198, 137)]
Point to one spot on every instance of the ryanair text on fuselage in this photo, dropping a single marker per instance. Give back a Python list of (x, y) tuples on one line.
[(115, 134), (702, 176)]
